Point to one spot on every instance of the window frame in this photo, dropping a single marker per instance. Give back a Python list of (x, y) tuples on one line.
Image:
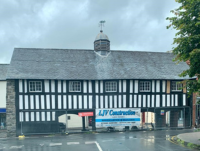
[(177, 83), (144, 91), (29, 86), (111, 91), (74, 81)]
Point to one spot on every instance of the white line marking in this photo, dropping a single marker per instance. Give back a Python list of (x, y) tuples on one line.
[(92, 142), (98, 146), (72, 143), (14, 147), (55, 144), (107, 140)]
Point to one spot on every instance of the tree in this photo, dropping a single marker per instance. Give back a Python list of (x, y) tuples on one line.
[(186, 21)]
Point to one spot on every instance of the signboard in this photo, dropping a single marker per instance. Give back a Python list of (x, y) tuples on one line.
[(162, 112), (2, 110), (117, 117), (85, 114)]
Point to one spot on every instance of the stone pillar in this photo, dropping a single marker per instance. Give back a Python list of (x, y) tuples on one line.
[(10, 109), (160, 119), (174, 115)]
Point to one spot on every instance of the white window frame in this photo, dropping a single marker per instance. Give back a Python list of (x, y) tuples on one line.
[(35, 86), (70, 82), (177, 86), (144, 86), (109, 82)]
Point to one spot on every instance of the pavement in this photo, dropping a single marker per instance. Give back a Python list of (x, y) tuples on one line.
[(193, 137)]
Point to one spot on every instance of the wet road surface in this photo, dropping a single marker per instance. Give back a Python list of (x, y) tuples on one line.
[(122, 141)]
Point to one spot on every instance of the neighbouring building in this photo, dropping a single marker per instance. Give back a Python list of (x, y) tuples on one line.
[(43, 84), (3, 71)]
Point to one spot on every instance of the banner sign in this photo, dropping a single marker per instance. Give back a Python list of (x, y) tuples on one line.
[(117, 117), (85, 114)]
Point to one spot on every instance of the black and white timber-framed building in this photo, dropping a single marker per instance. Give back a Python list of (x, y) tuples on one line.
[(43, 84)]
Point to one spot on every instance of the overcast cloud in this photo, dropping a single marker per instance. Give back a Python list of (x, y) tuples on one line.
[(138, 25)]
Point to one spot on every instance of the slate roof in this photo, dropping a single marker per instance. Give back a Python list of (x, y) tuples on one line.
[(3, 71), (32, 63)]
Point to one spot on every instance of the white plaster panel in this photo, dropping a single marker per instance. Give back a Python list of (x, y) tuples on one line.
[(139, 100), (163, 100), (157, 85), (48, 116), (106, 101), (90, 86), (152, 100), (124, 100), (101, 86), (176, 99), (135, 100), (101, 102), (26, 101), (53, 116), (20, 86), (111, 102), (80, 101), (25, 86), (64, 101), (144, 100), (96, 87), (172, 100), (163, 86), (32, 102), (115, 101), (46, 85), (21, 116), (59, 86), (42, 102), (42, 116), (85, 101), (21, 102), (157, 100), (168, 100), (85, 86), (120, 86), (124, 85), (136, 86), (59, 102), (69, 101), (37, 102), (184, 99), (130, 101), (90, 101), (153, 85), (64, 86), (120, 101), (148, 101), (131, 86), (75, 101), (26, 116), (97, 101), (53, 101), (37, 116), (32, 116), (52, 86), (48, 101)]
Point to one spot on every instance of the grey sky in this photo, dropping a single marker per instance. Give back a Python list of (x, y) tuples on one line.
[(73, 24)]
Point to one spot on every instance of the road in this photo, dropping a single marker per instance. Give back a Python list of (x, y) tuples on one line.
[(118, 141)]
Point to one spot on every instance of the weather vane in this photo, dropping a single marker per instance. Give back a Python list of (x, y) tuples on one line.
[(101, 23)]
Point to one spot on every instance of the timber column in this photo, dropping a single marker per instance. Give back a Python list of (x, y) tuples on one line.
[(10, 108)]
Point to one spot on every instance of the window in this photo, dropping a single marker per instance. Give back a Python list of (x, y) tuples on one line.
[(176, 86), (35, 86), (145, 86), (74, 86), (111, 86)]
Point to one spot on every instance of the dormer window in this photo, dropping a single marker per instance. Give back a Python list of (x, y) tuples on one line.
[(176, 86)]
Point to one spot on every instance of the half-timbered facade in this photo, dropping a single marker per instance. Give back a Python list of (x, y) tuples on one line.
[(50, 82)]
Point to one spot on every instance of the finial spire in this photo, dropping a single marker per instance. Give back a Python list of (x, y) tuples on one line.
[(101, 24)]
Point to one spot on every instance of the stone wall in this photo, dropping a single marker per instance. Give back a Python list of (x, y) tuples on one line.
[(3, 133), (10, 109)]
